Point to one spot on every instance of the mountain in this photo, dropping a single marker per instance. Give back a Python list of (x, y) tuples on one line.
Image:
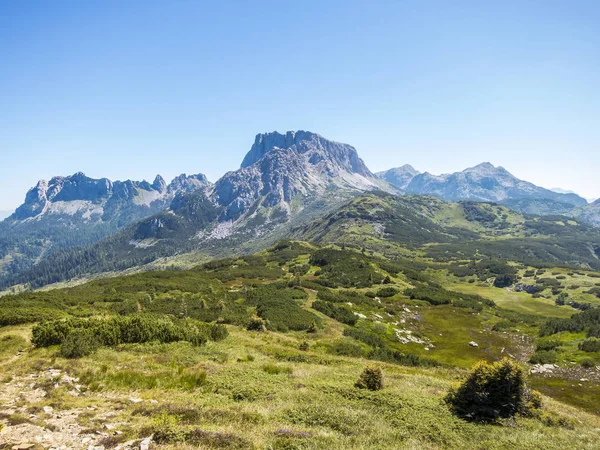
[(485, 183), (287, 171), (4, 214), (284, 180), (589, 213), (76, 210), (399, 176), (562, 191)]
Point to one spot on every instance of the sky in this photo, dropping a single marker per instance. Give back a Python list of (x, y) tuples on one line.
[(127, 89)]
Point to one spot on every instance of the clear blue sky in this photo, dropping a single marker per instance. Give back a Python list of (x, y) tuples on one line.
[(127, 89)]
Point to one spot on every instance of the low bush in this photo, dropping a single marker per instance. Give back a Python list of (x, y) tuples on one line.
[(547, 344), (387, 292), (371, 378), (80, 337), (491, 391), (544, 357), (340, 313), (78, 343), (590, 345), (588, 363)]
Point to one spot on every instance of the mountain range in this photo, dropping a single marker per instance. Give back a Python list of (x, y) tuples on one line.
[(485, 183), (71, 226), (76, 211)]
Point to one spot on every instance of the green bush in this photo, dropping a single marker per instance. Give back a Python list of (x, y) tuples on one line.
[(256, 325), (371, 378), (80, 335), (78, 343), (544, 357), (588, 363), (274, 369), (387, 292), (504, 280), (340, 313), (590, 345), (347, 347), (546, 345), (491, 391), (280, 306)]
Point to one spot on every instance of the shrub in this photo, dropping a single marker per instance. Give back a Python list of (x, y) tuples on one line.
[(256, 325), (590, 345), (303, 346), (340, 313), (77, 344), (588, 363), (218, 333), (276, 370), (81, 336), (504, 280), (347, 347), (491, 391), (387, 292), (544, 357), (371, 378), (547, 344)]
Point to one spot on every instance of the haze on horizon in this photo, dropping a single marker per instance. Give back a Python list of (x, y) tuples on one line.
[(126, 90)]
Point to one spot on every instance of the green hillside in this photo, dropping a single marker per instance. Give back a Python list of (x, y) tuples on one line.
[(263, 351)]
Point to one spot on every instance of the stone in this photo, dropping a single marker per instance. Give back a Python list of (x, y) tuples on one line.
[(145, 444), (473, 344)]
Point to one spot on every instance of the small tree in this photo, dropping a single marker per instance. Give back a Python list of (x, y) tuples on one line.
[(371, 378), (491, 391)]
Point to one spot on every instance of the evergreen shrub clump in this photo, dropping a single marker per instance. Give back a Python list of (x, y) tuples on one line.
[(493, 391), (371, 378)]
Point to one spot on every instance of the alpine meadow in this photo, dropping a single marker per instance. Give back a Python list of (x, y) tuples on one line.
[(299, 299)]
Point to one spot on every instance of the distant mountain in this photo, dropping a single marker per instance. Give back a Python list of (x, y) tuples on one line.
[(5, 214), (283, 180), (77, 210), (400, 176), (485, 183)]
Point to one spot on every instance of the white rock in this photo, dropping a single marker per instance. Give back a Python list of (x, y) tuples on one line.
[(473, 344), (145, 444)]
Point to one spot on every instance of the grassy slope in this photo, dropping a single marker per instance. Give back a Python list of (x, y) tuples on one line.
[(310, 404)]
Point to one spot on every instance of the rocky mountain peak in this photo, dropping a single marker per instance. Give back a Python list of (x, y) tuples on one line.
[(316, 148), (159, 184)]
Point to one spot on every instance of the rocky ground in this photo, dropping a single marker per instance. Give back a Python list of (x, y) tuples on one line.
[(31, 422)]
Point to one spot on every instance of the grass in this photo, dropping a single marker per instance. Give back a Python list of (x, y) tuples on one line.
[(260, 402), (262, 390), (515, 301)]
